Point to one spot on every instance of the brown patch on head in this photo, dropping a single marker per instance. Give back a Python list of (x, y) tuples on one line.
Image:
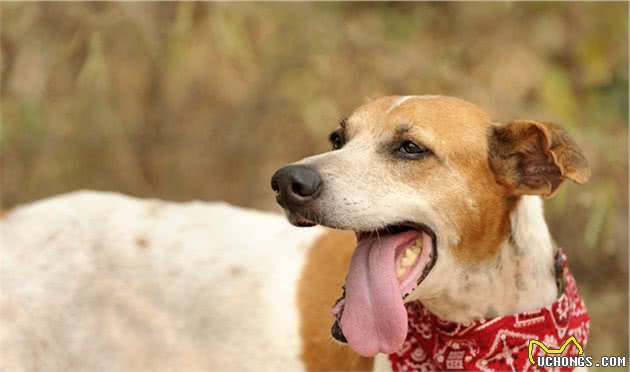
[(466, 182), (455, 177), (320, 285), (436, 120), (457, 174), (529, 157), (142, 243)]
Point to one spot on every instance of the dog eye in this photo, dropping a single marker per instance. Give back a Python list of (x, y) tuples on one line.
[(336, 140), (410, 150)]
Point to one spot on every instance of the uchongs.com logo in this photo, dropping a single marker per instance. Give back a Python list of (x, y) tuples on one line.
[(553, 358)]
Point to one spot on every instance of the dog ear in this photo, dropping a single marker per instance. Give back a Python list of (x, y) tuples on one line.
[(529, 157)]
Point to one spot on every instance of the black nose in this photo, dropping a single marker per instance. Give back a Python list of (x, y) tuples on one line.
[(296, 184)]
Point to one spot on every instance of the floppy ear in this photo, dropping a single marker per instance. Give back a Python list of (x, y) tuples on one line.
[(529, 157)]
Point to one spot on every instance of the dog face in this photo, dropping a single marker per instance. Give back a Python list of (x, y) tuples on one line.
[(402, 160), (427, 182)]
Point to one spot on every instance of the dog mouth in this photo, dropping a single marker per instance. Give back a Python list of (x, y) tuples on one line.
[(386, 266)]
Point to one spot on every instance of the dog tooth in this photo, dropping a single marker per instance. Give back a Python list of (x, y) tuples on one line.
[(400, 272), (416, 246), (411, 254), (407, 261)]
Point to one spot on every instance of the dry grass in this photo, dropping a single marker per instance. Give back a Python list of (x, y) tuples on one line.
[(203, 101)]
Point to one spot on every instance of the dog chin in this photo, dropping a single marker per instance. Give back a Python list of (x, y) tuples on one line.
[(297, 220), (302, 217), (308, 217), (396, 256), (387, 266)]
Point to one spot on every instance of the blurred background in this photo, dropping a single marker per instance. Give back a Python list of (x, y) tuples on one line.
[(204, 101)]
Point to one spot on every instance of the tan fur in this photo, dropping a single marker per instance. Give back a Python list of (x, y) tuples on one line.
[(4, 213), (531, 157), (320, 285), (459, 130), (456, 131), (182, 274), (466, 163)]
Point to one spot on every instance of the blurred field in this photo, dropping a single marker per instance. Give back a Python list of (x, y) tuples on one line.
[(204, 101)]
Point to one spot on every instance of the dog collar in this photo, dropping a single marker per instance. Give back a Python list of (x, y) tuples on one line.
[(499, 344)]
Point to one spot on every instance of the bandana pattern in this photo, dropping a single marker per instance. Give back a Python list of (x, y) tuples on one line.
[(499, 344)]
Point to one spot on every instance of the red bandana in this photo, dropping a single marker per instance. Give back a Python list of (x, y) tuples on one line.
[(499, 344)]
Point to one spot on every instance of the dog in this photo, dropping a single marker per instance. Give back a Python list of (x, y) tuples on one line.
[(422, 200)]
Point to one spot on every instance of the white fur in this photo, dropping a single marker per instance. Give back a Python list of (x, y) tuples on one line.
[(99, 282), (381, 363), (404, 99), (531, 234), (531, 260), (442, 292), (360, 195), (104, 282)]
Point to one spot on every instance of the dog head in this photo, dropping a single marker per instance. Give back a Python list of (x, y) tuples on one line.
[(426, 182)]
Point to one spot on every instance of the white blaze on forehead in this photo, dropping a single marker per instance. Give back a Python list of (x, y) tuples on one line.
[(404, 99)]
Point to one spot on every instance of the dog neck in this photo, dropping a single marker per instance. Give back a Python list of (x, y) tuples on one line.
[(520, 278)]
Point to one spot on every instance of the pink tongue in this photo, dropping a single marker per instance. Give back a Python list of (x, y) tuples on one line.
[(374, 318)]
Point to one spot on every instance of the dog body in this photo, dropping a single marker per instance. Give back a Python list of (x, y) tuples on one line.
[(429, 184), (105, 282)]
